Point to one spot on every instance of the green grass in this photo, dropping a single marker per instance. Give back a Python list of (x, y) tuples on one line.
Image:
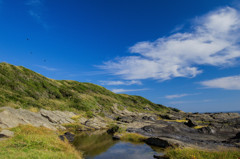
[(21, 87), (36, 143), (189, 153), (131, 137), (179, 121)]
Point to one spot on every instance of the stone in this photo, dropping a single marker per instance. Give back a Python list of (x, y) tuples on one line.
[(158, 142), (69, 136), (6, 133), (58, 117), (190, 123), (207, 130), (11, 117), (116, 137)]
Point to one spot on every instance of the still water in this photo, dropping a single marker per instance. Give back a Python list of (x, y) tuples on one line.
[(99, 145)]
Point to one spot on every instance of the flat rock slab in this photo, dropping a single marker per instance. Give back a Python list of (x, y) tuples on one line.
[(10, 117), (6, 133)]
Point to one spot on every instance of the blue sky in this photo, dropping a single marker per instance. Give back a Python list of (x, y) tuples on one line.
[(183, 54)]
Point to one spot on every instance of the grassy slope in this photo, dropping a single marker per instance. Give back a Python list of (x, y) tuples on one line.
[(22, 87), (36, 143), (189, 153)]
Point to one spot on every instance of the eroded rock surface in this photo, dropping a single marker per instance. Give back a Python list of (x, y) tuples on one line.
[(10, 117)]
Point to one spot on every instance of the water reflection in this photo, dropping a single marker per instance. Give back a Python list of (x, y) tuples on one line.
[(99, 145)]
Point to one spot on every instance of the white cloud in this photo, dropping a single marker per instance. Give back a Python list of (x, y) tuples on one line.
[(185, 102), (127, 90), (175, 96), (229, 83), (213, 41), (132, 82), (47, 68), (35, 10), (179, 95)]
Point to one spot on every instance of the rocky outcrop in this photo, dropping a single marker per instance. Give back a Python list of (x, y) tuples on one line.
[(58, 117), (10, 117), (213, 130), (96, 123)]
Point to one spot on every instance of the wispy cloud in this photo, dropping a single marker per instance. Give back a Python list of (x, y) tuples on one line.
[(34, 2), (179, 95), (128, 90), (35, 10), (47, 68), (213, 40), (184, 102), (229, 83), (132, 82)]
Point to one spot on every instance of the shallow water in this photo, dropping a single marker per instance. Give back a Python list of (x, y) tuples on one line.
[(99, 145)]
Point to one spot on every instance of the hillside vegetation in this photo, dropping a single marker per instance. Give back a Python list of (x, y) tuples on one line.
[(21, 87)]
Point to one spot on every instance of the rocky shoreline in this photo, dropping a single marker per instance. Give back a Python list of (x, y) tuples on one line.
[(173, 129)]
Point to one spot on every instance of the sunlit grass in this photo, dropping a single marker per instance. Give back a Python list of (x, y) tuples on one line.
[(189, 153), (132, 137), (179, 121), (36, 143)]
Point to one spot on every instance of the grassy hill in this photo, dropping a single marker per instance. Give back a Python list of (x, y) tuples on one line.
[(21, 87)]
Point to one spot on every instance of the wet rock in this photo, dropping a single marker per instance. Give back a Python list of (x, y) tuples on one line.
[(116, 137), (113, 129), (6, 133), (158, 142)]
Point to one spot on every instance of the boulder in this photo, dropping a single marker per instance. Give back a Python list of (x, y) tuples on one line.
[(207, 130), (96, 123), (6, 133), (151, 118), (158, 142), (113, 129), (190, 123)]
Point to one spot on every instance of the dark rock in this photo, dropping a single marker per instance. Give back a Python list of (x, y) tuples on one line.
[(61, 137), (158, 142), (160, 157), (69, 136), (115, 137), (113, 129), (237, 136), (190, 123)]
